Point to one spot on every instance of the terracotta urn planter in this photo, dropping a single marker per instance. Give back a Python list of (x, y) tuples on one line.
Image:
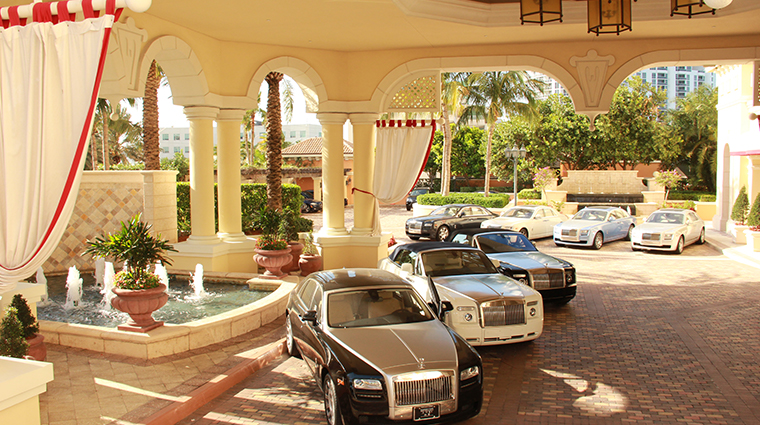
[(295, 250), (37, 349), (273, 260), (310, 264), (140, 305)]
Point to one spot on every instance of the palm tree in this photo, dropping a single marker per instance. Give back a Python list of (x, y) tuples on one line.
[(492, 95), (104, 110), (126, 137), (151, 147), (451, 96), (274, 142)]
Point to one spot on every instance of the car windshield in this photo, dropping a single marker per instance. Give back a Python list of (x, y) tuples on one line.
[(669, 218), (453, 262), (375, 307), (417, 192), (504, 242), (593, 215), (447, 211), (518, 213)]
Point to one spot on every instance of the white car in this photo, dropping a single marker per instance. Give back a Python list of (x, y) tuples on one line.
[(488, 307), (668, 229), (533, 221)]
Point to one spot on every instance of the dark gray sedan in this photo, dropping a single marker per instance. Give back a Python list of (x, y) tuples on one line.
[(445, 219)]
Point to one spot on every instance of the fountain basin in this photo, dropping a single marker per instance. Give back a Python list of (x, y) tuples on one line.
[(177, 338)]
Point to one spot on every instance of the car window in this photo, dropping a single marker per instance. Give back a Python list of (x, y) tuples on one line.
[(504, 242), (479, 211), (666, 218), (446, 211), (616, 214), (405, 256), (307, 293), (461, 238), (693, 216), (375, 307), (517, 213), (539, 214), (452, 262), (592, 215), (548, 212)]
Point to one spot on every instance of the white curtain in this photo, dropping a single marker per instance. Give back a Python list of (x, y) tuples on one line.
[(49, 78), (402, 151)]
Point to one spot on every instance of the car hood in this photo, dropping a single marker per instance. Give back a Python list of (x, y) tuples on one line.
[(401, 348), (484, 287), (429, 218), (580, 224), (658, 227), (529, 260)]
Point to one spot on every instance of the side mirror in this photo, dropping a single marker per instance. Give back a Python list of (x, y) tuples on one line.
[(407, 268), (310, 316), (446, 307), (496, 263)]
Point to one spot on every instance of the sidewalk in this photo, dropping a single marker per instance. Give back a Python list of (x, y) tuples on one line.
[(724, 242)]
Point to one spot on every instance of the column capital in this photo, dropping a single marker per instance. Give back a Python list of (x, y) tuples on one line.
[(201, 112), (363, 118), (230, 115), (326, 118)]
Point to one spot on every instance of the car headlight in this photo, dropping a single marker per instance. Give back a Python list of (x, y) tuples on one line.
[(469, 373), (507, 227), (367, 384), (427, 225), (667, 237), (584, 233)]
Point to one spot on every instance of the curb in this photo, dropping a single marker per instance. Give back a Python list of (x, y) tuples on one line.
[(209, 391)]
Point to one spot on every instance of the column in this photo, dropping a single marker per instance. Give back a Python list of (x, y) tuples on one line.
[(332, 172), (202, 174), (228, 174), (364, 171), (753, 178), (317, 188)]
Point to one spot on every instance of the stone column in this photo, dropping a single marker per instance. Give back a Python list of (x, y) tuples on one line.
[(317, 188), (753, 178), (332, 172), (202, 174), (364, 171), (228, 174)]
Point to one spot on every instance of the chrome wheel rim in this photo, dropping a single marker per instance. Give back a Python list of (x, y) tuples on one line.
[(330, 401), (702, 237), (524, 232), (598, 241), (443, 233), (289, 338)]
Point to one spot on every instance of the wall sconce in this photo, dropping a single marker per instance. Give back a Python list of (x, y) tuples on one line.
[(689, 8), (609, 16), (540, 11)]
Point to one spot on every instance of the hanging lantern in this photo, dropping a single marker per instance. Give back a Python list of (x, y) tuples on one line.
[(689, 8), (717, 4), (540, 11), (609, 16)]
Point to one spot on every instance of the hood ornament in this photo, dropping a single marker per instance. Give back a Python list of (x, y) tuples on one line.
[(421, 362)]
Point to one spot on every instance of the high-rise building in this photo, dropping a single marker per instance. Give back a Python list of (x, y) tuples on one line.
[(678, 81)]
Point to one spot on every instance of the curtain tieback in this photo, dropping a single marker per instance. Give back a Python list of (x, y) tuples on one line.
[(354, 189)]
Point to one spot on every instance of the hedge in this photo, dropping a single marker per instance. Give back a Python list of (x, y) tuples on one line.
[(690, 196), (529, 194), (253, 198), (493, 201)]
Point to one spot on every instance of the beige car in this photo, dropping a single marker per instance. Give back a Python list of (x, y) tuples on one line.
[(533, 221), (668, 229)]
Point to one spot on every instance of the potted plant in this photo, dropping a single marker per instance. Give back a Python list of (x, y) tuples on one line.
[(12, 341), (139, 292), (288, 231), (753, 222), (739, 216), (310, 260), (272, 251), (37, 349)]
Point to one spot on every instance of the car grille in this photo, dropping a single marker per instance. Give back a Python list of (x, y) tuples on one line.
[(548, 280), (650, 236), (421, 391), (569, 232), (415, 225), (500, 314)]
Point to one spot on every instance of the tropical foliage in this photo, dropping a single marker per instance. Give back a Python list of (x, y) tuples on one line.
[(123, 141), (151, 148), (668, 180)]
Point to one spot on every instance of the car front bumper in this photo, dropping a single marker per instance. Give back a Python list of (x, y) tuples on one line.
[(559, 294)]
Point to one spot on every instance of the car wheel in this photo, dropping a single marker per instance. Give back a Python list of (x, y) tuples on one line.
[(414, 238), (598, 240), (442, 233), (524, 232), (679, 247), (289, 341), (630, 233), (701, 239), (332, 408), (408, 207)]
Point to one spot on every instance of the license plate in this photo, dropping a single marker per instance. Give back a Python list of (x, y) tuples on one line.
[(416, 231), (423, 413)]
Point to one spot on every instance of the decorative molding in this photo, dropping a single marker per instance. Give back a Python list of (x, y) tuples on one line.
[(756, 83), (592, 75), (120, 75), (420, 94)]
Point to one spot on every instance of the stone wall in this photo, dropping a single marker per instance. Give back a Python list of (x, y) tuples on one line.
[(594, 181), (106, 198)]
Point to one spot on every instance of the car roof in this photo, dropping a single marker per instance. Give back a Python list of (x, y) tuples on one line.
[(529, 206), (601, 207), (459, 205), (477, 230), (357, 278), (427, 246), (672, 210)]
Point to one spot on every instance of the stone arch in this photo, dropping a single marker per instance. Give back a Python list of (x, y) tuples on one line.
[(305, 76), (182, 68), (409, 71)]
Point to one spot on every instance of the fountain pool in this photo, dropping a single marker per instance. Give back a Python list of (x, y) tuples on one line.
[(185, 304)]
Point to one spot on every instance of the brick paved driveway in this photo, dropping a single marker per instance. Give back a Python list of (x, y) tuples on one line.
[(650, 339)]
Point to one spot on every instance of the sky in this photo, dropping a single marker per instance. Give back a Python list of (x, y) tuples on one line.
[(171, 115)]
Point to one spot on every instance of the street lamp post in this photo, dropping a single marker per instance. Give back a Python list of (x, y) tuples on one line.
[(515, 153)]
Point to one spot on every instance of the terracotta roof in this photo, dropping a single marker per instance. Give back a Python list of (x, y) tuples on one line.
[(313, 147)]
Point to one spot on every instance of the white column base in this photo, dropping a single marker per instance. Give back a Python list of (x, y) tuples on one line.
[(361, 231), (232, 237), (337, 231), (202, 240)]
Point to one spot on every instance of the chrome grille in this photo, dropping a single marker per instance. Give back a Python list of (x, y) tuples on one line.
[(569, 232), (548, 280), (650, 236), (415, 225), (501, 315), (409, 392)]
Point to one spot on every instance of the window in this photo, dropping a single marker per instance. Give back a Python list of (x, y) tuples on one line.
[(176, 136), (405, 256), (262, 135), (292, 134), (164, 137), (307, 293), (187, 136), (187, 149), (177, 149), (302, 134)]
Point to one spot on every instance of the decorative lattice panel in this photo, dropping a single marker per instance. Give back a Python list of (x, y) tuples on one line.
[(418, 95), (756, 85)]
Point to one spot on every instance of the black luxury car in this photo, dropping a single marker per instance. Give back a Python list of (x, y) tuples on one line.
[(445, 219), (553, 277), (309, 204), (379, 352), (412, 197)]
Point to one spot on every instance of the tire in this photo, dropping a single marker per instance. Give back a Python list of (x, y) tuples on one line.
[(408, 207), (442, 233), (679, 246), (332, 407), (598, 241), (414, 238), (524, 232), (701, 239), (290, 342), (630, 232)]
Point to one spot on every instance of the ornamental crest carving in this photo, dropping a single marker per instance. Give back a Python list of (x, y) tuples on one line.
[(592, 73)]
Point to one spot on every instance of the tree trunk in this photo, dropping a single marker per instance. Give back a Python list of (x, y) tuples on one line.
[(274, 142), (487, 182), (446, 160), (94, 153), (151, 148), (104, 139)]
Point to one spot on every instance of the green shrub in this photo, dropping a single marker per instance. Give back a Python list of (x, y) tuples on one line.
[(682, 195), (25, 316), (529, 194), (12, 341), (707, 198), (493, 201), (467, 189), (741, 207), (684, 205), (753, 218)]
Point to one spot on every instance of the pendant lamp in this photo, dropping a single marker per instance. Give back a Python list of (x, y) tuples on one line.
[(540, 11), (609, 16), (689, 8)]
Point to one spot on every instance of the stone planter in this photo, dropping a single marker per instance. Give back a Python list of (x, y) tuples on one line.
[(140, 305), (753, 240), (738, 232), (37, 349), (310, 264), (296, 249), (273, 260)]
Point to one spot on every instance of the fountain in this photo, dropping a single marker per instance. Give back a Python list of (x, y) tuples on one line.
[(42, 280), (163, 276), (108, 277), (74, 289), (99, 271), (197, 282)]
